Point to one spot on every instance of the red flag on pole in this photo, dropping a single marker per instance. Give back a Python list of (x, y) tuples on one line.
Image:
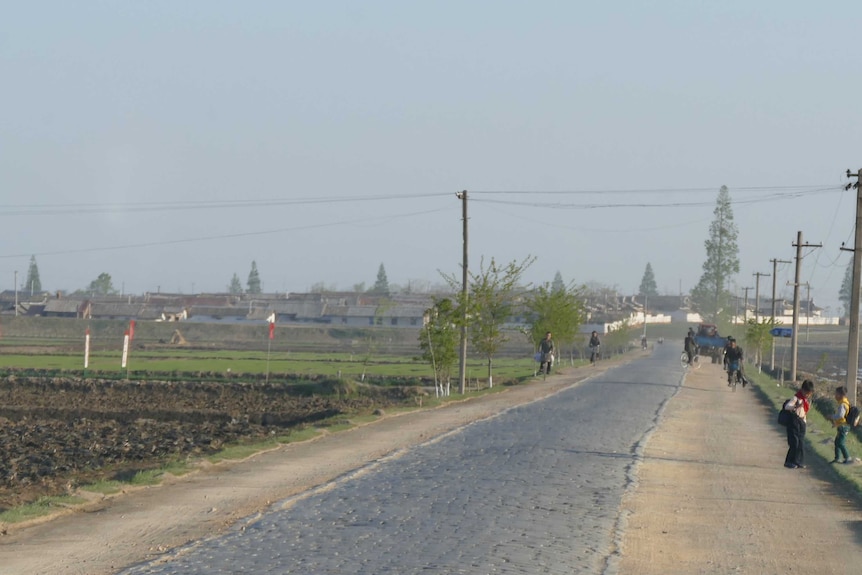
[(271, 320), (131, 330)]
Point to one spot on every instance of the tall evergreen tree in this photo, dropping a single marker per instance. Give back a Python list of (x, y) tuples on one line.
[(711, 296), (235, 286), (253, 282), (34, 284), (558, 285), (381, 286), (846, 291), (648, 286)]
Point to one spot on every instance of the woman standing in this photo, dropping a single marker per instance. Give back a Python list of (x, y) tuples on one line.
[(798, 405)]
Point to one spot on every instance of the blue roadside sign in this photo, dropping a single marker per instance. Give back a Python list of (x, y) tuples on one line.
[(781, 332)]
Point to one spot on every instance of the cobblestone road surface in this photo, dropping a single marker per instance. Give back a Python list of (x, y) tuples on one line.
[(534, 490)]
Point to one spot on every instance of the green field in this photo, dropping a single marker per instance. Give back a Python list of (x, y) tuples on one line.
[(236, 363)]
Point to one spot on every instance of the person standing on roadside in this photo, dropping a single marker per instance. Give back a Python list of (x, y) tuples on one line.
[(689, 346), (798, 405), (546, 348), (839, 422)]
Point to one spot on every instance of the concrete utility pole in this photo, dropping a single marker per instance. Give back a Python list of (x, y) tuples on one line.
[(775, 263), (794, 336), (462, 367), (745, 305), (757, 275), (853, 338), (16, 293)]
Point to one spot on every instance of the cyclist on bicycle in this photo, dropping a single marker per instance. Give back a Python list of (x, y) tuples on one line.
[(690, 346), (733, 360)]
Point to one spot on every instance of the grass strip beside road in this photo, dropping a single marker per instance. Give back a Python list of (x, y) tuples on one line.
[(820, 435)]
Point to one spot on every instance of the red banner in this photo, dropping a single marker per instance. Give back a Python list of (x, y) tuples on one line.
[(272, 330), (131, 330)]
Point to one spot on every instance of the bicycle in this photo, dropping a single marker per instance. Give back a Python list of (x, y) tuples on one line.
[(595, 354), (735, 376), (695, 361)]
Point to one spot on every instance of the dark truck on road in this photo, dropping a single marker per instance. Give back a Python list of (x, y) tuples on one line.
[(709, 343)]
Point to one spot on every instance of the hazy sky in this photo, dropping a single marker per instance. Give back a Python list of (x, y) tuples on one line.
[(169, 144)]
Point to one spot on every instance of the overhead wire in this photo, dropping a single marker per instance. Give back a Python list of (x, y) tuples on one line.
[(220, 236), (139, 207)]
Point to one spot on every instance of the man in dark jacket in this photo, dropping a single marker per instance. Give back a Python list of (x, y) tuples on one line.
[(690, 346), (546, 349), (733, 361)]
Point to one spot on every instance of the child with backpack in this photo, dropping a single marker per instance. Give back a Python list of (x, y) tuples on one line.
[(842, 420)]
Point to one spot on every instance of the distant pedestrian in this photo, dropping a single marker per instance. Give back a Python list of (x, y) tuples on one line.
[(546, 349), (690, 346), (798, 405), (595, 347), (839, 421)]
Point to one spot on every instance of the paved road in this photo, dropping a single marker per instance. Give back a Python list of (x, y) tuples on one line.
[(534, 490)]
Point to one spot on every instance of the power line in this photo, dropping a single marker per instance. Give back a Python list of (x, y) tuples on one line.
[(592, 206), (220, 236), (780, 192), (661, 190), (138, 207)]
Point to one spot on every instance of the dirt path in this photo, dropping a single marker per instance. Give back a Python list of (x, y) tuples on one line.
[(714, 497)]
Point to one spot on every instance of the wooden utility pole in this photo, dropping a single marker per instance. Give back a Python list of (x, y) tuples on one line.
[(794, 335), (853, 338), (462, 366)]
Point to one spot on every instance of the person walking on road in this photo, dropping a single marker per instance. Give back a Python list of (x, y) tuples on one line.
[(839, 421), (798, 405), (546, 349), (595, 347), (690, 346)]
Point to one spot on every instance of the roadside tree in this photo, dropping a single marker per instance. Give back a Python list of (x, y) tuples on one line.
[(710, 296), (758, 339), (560, 311), (491, 296), (438, 340)]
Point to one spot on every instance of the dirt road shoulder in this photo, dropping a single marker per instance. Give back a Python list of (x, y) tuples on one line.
[(713, 496)]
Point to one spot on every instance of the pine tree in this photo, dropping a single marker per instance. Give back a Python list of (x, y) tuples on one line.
[(253, 282), (558, 285), (235, 286), (381, 286), (34, 284), (846, 290), (710, 296), (648, 285)]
